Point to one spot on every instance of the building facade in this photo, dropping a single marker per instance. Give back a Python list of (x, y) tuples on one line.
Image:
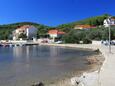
[(108, 22), (55, 34), (28, 30), (85, 27)]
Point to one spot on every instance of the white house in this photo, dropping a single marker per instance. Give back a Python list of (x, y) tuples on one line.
[(29, 30), (55, 34), (109, 21)]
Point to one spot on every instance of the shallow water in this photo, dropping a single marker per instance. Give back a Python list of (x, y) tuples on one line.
[(20, 66)]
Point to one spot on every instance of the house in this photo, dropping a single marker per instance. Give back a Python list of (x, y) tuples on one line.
[(81, 27), (108, 22), (28, 30), (55, 34)]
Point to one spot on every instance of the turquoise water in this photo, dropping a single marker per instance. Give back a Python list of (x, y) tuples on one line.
[(20, 66)]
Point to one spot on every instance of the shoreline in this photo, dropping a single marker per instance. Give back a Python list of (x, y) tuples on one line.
[(92, 73), (82, 46), (88, 73)]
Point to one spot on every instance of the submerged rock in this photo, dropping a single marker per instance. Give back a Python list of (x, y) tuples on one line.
[(77, 81), (92, 60), (38, 84)]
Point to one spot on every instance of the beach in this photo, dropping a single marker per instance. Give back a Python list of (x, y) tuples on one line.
[(25, 65), (92, 75), (106, 74), (100, 73)]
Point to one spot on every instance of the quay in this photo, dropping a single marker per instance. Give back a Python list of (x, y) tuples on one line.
[(18, 43)]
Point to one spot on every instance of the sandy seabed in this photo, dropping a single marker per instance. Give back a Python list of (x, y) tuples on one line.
[(91, 74)]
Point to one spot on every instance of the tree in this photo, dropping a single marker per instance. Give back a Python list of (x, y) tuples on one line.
[(6, 30), (71, 37), (22, 35)]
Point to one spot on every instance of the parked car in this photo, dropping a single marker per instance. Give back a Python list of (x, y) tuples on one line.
[(112, 42), (107, 42)]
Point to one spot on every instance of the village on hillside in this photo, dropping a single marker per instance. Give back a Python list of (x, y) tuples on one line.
[(27, 35)]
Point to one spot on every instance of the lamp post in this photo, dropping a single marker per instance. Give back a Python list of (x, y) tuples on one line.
[(109, 23), (109, 38)]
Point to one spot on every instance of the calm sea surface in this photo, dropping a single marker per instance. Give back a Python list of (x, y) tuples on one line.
[(20, 66)]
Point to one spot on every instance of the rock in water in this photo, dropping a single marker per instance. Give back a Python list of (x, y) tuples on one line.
[(77, 81), (38, 84)]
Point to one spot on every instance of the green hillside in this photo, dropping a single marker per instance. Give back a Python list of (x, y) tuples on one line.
[(6, 30), (95, 21)]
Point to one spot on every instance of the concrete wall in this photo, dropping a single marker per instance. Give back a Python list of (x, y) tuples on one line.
[(96, 42), (18, 41)]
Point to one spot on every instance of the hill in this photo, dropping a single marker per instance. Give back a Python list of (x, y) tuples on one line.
[(6, 30), (95, 21)]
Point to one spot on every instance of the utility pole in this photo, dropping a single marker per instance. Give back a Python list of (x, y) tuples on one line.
[(109, 38), (108, 22)]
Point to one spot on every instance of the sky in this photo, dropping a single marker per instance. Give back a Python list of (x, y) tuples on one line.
[(52, 12)]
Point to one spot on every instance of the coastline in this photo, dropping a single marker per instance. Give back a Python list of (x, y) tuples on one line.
[(106, 74), (86, 46), (91, 75)]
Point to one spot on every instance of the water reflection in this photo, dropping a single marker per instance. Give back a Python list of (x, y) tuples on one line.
[(17, 52), (22, 65)]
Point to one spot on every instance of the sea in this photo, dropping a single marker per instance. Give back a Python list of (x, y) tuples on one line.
[(24, 65)]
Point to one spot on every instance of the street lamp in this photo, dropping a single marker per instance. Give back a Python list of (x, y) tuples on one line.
[(108, 24), (109, 38)]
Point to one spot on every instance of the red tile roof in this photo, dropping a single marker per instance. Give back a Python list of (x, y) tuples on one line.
[(55, 32), (85, 26), (113, 18), (25, 27)]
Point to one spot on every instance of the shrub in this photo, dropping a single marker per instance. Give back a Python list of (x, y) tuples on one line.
[(87, 41)]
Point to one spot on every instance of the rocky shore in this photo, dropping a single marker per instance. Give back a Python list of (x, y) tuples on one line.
[(89, 77)]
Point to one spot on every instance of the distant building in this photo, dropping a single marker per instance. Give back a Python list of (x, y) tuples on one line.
[(55, 34), (108, 22), (86, 27), (29, 30)]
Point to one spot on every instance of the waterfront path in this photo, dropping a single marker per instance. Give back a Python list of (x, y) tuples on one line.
[(107, 71)]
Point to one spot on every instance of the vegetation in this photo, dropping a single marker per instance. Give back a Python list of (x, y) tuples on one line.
[(99, 33), (23, 36), (71, 36), (95, 21), (6, 30), (86, 41)]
